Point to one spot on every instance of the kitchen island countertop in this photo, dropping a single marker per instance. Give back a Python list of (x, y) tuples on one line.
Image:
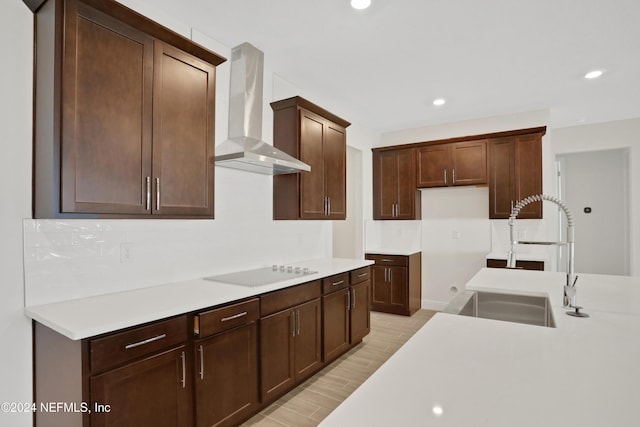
[(86, 317), (463, 371)]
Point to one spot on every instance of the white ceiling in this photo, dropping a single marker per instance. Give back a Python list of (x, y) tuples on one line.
[(486, 57)]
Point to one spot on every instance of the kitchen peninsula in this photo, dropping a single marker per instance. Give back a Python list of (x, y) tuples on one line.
[(218, 350), (464, 371)]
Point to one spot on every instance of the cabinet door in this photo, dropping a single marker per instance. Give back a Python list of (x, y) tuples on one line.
[(335, 309), (360, 323), (385, 184), (106, 114), (277, 353), (528, 177), (226, 377), (183, 131), (433, 163), (312, 192), (151, 392), (381, 292), (308, 339), (399, 288), (501, 177), (469, 163), (406, 167), (335, 166)]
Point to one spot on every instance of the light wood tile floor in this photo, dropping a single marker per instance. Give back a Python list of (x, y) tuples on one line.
[(313, 400)]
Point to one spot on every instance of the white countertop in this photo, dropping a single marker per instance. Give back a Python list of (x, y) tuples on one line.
[(479, 372), (393, 251), (86, 317)]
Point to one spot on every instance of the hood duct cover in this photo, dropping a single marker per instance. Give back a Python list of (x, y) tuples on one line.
[(245, 149)]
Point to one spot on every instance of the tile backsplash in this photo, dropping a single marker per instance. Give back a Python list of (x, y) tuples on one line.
[(67, 259)]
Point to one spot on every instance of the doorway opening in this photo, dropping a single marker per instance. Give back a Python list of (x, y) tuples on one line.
[(595, 187), (348, 234)]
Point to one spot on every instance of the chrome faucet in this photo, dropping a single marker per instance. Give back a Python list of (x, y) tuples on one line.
[(569, 297)]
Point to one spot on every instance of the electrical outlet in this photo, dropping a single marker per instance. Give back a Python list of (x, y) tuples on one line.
[(126, 252)]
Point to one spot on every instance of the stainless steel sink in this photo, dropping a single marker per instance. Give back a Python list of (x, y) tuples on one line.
[(528, 309)]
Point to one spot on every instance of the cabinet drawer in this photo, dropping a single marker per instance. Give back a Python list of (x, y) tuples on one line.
[(381, 259), (220, 319), (360, 275), (121, 347), (333, 283), (285, 298)]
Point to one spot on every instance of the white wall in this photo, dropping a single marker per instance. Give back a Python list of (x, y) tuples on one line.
[(16, 44), (610, 135)]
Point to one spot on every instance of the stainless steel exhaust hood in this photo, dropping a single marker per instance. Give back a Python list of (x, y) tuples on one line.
[(245, 149)]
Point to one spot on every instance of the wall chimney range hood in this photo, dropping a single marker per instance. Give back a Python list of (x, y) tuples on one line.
[(244, 149)]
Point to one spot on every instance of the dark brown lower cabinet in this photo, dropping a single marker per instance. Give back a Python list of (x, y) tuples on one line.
[(290, 347), (523, 264), (396, 283), (359, 315), (336, 323), (150, 392), (345, 312), (226, 377)]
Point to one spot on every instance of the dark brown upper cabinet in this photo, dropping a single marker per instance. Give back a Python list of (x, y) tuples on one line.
[(394, 185), (460, 163), (515, 172), (124, 116), (318, 138)]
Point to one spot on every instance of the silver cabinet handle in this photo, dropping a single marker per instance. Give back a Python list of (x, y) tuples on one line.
[(445, 176), (390, 275), (453, 172), (201, 350), (328, 205), (143, 342), (348, 300), (298, 322), (157, 194), (235, 316), (362, 274), (184, 370), (353, 298), (148, 190), (386, 260), (293, 323), (386, 274), (337, 283)]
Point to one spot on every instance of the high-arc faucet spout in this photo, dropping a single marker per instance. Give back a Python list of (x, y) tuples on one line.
[(569, 297)]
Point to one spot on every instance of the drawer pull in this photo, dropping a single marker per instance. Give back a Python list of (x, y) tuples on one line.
[(337, 283), (362, 274), (143, 342), (235, 316), (201, 351), (386, 260)]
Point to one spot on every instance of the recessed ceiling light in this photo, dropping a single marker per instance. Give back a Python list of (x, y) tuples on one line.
[(360, 4), (593, 74), (439, 101)]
